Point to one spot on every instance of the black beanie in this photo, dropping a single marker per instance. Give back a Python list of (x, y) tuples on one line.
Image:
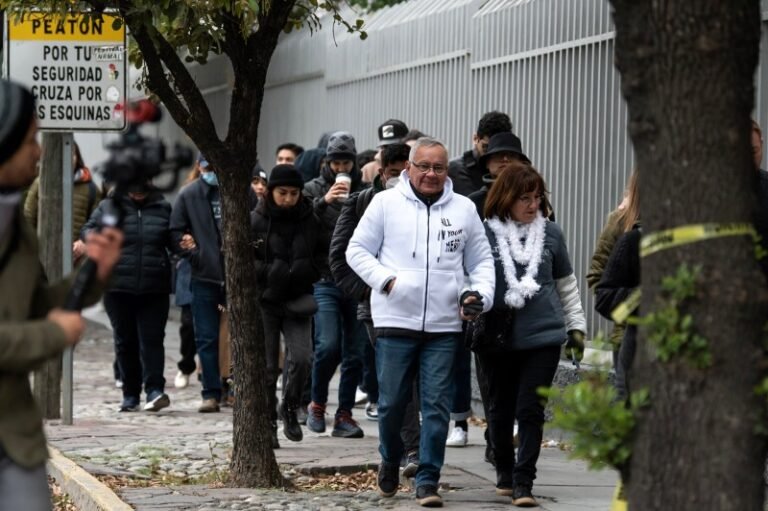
[(285, 175), (17, 108)]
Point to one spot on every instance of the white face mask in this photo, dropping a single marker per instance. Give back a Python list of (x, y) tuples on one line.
[(8, 205), (392, 182)]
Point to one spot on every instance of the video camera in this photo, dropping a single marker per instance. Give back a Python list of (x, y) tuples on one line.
[(135, 160)]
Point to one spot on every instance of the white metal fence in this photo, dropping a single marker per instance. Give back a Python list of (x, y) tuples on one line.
[(439, 65)]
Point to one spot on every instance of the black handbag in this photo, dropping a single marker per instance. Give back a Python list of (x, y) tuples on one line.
[(304, 306), (490, 332)]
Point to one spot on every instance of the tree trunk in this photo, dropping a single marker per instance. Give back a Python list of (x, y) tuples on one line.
[(253, 461), (47, 379), (687, 75)]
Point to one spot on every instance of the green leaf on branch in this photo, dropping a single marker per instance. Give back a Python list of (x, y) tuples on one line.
[(601, 425), (671, 332)]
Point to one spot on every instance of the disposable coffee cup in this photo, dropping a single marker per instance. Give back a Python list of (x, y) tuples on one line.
[(343, 177)]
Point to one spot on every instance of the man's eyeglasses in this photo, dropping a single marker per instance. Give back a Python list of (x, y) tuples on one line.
[(528, 200), (426, 167)]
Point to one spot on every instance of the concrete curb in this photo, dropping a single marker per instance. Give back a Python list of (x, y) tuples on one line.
[(87, 492)]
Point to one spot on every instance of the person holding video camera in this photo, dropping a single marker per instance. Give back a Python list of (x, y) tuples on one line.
[(137, 302), (33, 326)]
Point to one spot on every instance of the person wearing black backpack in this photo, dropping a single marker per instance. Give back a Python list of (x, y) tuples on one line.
[(290, 250)]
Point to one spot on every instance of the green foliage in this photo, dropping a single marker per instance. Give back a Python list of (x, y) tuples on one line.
[(374, 5), (601, 425), (671, 331)]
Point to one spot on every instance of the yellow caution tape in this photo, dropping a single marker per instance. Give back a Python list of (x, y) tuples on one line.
[(619, 502), (662, 240), (620, 314)]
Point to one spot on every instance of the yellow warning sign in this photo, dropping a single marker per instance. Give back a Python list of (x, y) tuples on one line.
[(80, 27)]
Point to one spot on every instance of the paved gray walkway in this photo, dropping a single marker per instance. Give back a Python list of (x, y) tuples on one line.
[(181, 442)]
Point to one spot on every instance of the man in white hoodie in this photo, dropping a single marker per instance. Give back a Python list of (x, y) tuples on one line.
[(424, 252)]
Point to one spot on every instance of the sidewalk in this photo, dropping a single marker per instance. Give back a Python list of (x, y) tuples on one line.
[(181, 442)]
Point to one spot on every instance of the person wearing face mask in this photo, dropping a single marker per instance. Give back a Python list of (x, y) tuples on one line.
[(393, 160), (290, 249), (196, 230), (137, 302)]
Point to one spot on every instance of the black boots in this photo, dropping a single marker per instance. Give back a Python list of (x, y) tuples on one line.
[(291, 427)]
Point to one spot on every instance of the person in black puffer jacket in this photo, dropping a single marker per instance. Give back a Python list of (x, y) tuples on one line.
[(620, 277), (138, 300), (291, 251)]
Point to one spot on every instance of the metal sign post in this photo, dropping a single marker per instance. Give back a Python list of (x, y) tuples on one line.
[(66, 243)]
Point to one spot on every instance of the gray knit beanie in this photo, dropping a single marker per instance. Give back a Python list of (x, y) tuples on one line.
[(17, 108), (341, 146)]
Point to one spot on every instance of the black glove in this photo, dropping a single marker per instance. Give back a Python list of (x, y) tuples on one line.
[(473, 308), (574, 346)]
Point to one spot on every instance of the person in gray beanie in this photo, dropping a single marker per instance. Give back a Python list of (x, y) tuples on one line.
[(340, 337), (34, 327)]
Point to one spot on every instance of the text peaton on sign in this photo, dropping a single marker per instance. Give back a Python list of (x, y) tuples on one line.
[(75, 67)]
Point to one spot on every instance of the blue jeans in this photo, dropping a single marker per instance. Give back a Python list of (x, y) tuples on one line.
[(206, 298), (398, 361), (339, 338), (462, 393)]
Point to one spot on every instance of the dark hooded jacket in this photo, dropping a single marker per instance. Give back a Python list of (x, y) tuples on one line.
[(192, 214), (291, 251), (310, 162), (347, 280), (466, 173), (144, 266), (329, 213)]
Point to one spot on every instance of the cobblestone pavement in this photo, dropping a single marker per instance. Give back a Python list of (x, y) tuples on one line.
[(182, 443)]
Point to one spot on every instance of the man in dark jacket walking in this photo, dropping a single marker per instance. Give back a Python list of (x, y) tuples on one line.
[(465, 170), (339, 336), (197, 213)]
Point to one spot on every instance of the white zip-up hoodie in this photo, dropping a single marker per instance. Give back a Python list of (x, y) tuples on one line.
[(435, 253)]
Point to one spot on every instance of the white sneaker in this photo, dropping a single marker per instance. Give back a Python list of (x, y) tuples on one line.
[(360, 397), (457, 438), (119, 384), (280, 382), (181, 380)]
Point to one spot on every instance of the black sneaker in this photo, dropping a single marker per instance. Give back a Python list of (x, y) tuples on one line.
[(411, 464), (388, 479), (273, 436), (345, 426), (156, 401), (291, 428), (130, 404), (522, 496), (427, 496)]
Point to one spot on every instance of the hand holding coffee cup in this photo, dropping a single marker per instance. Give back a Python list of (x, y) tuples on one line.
[(346, 180), (340, 189)]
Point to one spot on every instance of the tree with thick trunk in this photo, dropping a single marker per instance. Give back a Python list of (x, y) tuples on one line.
[(687, 75), (165, 35)]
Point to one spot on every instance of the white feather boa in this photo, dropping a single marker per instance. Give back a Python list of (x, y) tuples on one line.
[(509, 236)]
